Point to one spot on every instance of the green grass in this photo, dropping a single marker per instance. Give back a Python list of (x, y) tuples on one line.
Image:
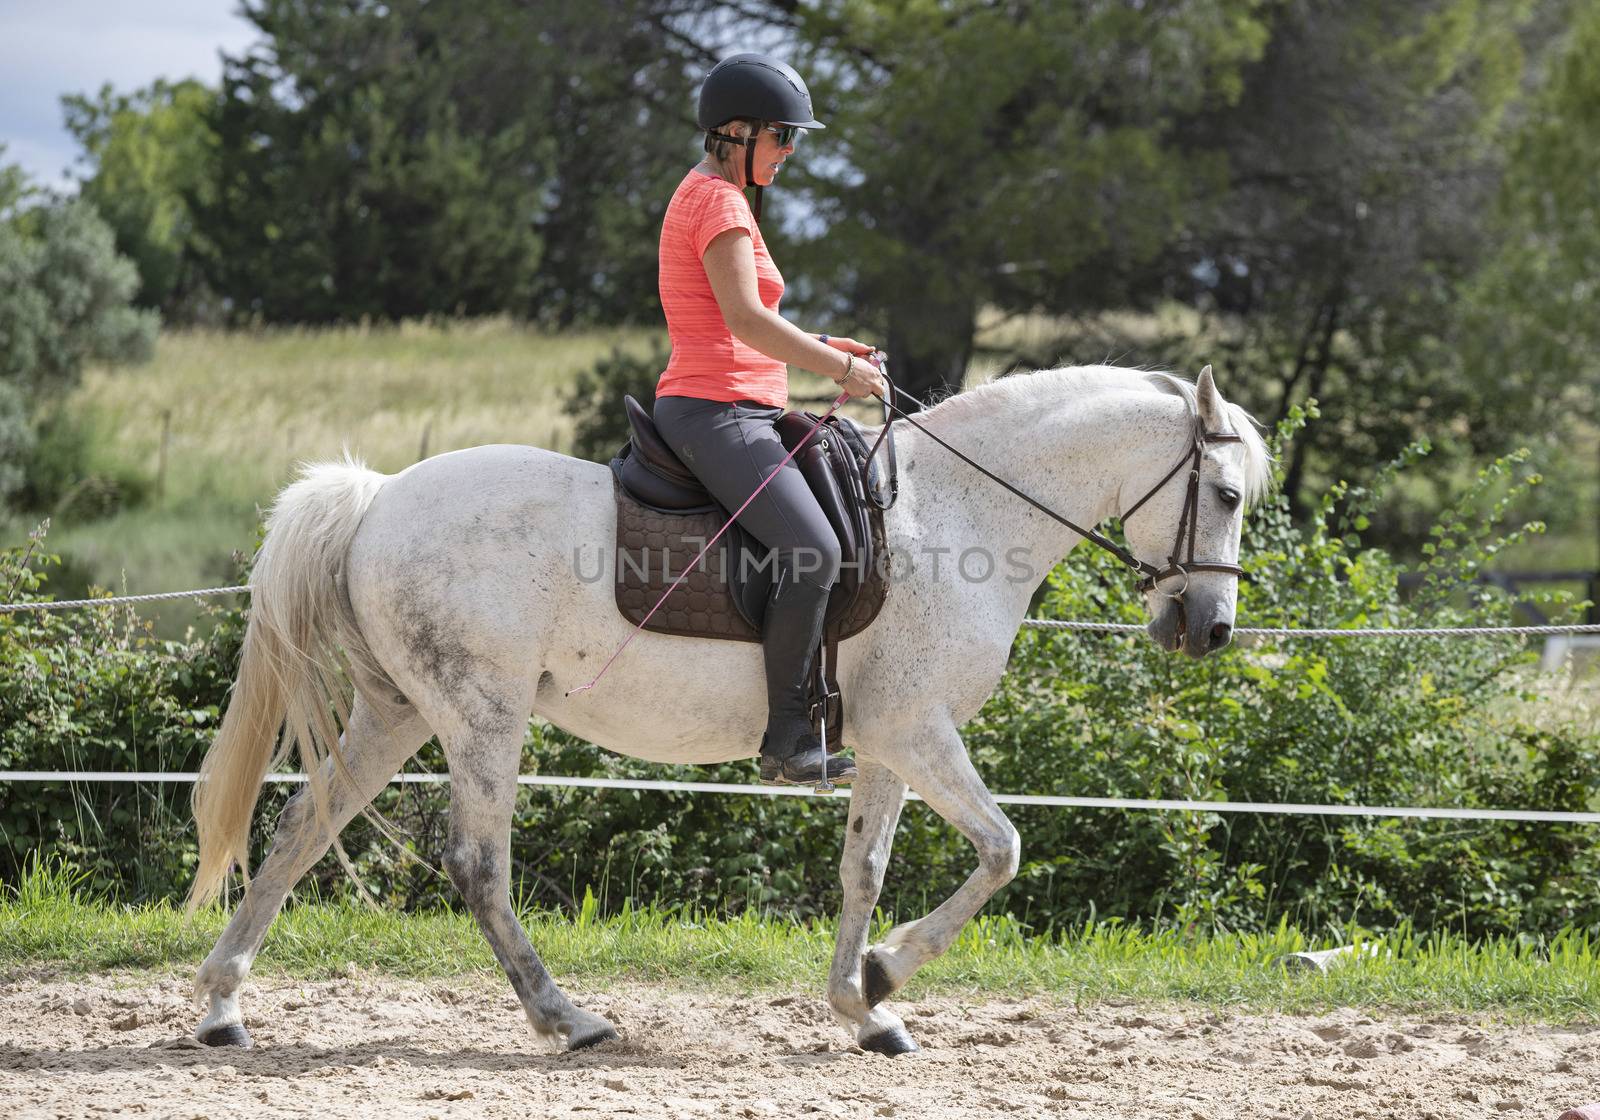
[(46, 925)]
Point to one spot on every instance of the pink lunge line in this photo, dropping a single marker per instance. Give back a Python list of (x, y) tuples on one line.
[(583, 687), (1583, 1112)]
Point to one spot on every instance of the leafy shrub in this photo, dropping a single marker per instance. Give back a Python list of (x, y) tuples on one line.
[(93, 690), (1390, 721), (64, 302), (64, 298), (63, 475)]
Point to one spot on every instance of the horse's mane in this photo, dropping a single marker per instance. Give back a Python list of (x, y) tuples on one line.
[(1024, 393)]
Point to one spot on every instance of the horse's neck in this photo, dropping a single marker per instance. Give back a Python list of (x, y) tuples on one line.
[(1073, 458)]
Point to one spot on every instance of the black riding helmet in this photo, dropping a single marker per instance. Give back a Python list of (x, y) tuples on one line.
[(759, 87)]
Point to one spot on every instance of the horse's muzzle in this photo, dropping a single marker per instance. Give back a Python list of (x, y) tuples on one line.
[(1174, 627)]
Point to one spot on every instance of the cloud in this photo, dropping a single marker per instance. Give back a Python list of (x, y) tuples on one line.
[(76, 46)]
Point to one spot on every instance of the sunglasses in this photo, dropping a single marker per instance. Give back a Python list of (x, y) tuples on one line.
[(786, 133)]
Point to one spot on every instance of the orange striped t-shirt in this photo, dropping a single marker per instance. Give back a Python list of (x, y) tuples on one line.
[(707, 360)]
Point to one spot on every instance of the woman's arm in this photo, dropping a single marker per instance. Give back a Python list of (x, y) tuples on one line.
[(730, 263)]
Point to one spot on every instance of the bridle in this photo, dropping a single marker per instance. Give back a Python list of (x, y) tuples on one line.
[(1188, 520)]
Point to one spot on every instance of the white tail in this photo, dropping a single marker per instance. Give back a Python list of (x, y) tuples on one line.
[(291, 667)]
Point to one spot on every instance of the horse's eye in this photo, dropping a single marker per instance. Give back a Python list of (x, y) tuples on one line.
[(1229, 496)]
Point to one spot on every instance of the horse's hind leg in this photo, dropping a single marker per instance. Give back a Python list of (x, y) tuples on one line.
[(483, 793), (375, 748)]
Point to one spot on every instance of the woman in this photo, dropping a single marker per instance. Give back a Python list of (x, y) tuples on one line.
[(727, 381)]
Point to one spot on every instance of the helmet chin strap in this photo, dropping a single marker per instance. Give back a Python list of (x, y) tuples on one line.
[(750, 176), (749, 143)]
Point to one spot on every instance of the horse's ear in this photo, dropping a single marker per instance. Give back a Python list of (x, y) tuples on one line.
[(1210, 402)]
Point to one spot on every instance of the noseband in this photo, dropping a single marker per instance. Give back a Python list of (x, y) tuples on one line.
[(1188, 520)]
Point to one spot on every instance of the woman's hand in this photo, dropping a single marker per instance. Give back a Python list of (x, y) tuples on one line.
[(848, 345), (864, 379)]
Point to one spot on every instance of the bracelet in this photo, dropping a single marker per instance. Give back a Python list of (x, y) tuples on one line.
[(849, 365)]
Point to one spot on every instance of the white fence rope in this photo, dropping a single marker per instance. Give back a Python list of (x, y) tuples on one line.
[(73, 604), (1330, 632), (1418, 812), (1265, 807), (1037, 623)]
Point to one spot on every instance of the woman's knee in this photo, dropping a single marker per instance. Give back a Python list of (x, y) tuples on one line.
[(817, 562)]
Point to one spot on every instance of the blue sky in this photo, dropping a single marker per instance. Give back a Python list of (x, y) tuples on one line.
[(52, 47)]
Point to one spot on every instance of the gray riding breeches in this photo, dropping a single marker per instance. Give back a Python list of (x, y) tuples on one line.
[(731, 446)]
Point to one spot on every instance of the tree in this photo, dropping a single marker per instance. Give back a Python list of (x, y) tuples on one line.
[(1005, 155), (621, 102), (1363, 160), (149, 153), (407, 158), (351, 180), (1533, 331), (64, 301)]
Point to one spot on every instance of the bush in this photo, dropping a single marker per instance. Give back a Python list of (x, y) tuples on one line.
[(64, 477), (64, 302), (94, 690), (64, 298), (1409, 721)]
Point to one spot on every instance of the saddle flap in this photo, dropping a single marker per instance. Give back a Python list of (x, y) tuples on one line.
[(874, 481), (833, 471), (650, 488)]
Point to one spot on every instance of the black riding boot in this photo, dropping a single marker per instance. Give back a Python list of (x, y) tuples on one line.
[(791, 753)]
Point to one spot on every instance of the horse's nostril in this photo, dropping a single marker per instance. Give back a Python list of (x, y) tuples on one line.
[(1221, 635)]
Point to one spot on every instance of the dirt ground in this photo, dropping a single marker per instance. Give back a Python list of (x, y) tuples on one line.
[(381, 1049)]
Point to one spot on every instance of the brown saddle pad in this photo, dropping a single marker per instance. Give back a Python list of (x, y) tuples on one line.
[(653, 545)]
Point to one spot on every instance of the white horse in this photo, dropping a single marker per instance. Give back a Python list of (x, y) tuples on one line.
[(454, 589)]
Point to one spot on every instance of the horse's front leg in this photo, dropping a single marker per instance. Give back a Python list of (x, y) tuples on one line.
[(933, 761), (875, 802)]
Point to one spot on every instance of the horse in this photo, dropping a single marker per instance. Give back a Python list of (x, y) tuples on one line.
[(447, 600)]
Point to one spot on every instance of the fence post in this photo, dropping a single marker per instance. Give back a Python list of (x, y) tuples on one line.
[(161, 456)]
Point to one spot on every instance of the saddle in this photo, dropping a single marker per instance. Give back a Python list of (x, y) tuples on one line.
[(665, 515)]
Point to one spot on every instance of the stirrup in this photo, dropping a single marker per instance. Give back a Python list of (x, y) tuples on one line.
[(805, 768)]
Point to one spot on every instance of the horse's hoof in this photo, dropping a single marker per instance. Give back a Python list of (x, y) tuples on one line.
[(229, 1034), (875, 983), (593, 1038), (893, 1042)]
